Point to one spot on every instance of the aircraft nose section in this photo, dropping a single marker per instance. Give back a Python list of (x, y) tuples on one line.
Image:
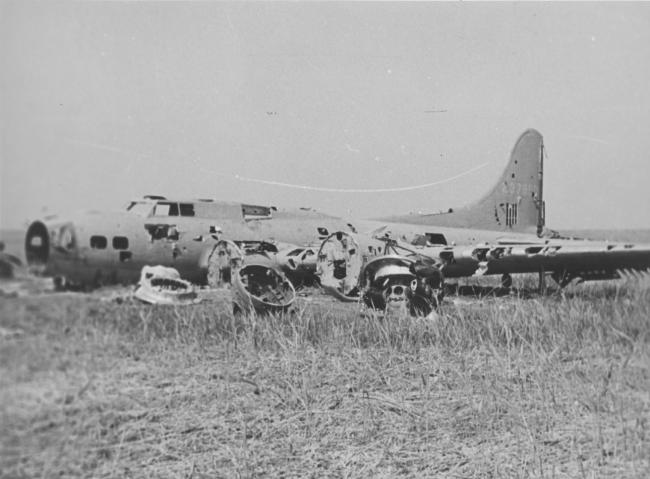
[(47, 243), (37, 245)]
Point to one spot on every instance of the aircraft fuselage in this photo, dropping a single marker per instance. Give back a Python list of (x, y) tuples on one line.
[(112, 247)]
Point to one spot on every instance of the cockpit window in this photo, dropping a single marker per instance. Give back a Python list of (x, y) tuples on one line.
[(187, 209), (164, 208), (139, 208)]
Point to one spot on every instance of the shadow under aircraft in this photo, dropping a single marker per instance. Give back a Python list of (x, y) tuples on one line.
[(501, 234)]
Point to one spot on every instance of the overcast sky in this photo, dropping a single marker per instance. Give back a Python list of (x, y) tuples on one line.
[(102, 102)]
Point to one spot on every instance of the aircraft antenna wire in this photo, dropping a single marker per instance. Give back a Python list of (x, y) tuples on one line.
[(360, 190), (292, 185)]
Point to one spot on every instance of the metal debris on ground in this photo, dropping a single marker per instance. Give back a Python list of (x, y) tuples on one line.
[(163, 285), (261, 289)]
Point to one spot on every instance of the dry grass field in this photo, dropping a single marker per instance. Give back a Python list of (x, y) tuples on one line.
[(541, 386)]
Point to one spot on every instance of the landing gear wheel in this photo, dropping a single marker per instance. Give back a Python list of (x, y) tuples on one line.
[(506, 281)]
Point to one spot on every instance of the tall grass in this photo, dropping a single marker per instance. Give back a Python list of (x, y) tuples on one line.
[(541, 386), (605, 315)]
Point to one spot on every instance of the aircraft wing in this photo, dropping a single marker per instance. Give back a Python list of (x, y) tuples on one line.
[(563, 259), (341, 260)]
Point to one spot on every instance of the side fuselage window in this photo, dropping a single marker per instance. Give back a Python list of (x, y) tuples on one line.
[(120, 242), (98, 242), (436, 238)]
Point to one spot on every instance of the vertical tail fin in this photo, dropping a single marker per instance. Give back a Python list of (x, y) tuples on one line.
[(515, 204), (517, 198)]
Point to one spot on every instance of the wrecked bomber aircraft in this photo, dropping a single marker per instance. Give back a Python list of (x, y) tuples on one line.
[(502, 234)]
